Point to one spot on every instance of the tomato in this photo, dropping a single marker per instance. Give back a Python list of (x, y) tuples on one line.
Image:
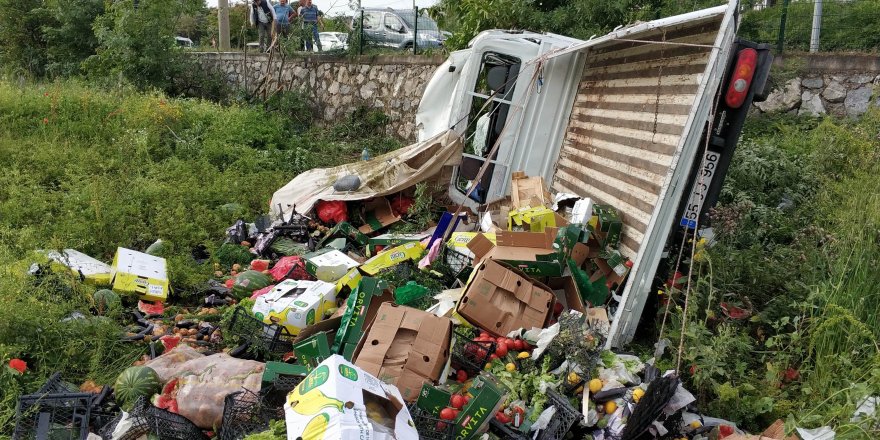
[(457, 401), (511, 345), (441, 426), (501, 417), (519, 415), (484, 335), (724, 431), (467, 399), (447, 413), (456, 412), (501, 350), (519, 345), (462, 376), (557, 308), (493, 357)]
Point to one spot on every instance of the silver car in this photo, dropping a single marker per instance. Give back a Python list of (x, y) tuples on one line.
[(397, 28), (332, 41)]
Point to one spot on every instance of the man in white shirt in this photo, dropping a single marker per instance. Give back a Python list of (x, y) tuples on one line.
[(262, 14)]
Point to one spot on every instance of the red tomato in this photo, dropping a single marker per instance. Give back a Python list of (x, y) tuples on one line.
[(462, 376), (493, 356), (557, 308), (484, 335), (501, 417), (456, 412), (447, 413), (457, 401), (510, 344), (441, 426), (519, 345), (724, 431), (501, 350), (519, 415), (467, 399)]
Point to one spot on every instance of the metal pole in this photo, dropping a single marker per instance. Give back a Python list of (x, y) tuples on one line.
[(415, 28), (780, 43), (361, 39), (817, 26), (223, 25)]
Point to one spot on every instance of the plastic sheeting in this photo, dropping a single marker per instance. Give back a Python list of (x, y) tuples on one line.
[(380, 176)]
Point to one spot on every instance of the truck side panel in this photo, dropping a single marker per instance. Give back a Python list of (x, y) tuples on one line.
[(628, 118)]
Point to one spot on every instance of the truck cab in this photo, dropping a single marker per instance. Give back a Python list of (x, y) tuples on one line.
[(644, 119)]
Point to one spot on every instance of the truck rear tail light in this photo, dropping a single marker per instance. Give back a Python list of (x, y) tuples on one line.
[(741, 80)]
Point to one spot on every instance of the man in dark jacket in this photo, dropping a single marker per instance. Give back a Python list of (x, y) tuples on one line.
[(262, 14)]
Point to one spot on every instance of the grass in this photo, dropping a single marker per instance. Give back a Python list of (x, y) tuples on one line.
[(94, 169)]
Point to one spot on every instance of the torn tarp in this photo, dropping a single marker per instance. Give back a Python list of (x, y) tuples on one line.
[(380, 176)]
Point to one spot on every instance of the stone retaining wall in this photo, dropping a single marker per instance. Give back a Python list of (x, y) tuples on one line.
[(338, 85), (839, 85)]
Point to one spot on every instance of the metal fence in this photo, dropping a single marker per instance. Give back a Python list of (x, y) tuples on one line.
[(368, 31), (813, 25)]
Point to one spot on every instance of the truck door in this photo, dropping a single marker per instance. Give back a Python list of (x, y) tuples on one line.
[(490, 109), (394, 30), (373, 29)]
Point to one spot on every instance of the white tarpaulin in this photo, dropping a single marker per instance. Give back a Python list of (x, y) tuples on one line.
[(380, 176)]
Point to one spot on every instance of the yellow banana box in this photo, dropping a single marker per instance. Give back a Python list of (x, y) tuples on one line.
[(295, 304), (140, 273), (339, 401), (392, 257)]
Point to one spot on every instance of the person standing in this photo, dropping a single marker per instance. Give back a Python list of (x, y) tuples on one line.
[(262, 14), (311, 17), (283, 11)]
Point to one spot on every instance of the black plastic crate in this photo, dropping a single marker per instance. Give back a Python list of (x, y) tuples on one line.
[(54, 385), (430, 427), (268, 341), (56, 416), (243, 414), (147, 419), (506, 432), (469, 355), (457, 265), (566, 416), (275, 394)]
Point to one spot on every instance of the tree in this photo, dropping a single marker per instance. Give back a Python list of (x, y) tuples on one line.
[(22, 43), (138, 43), (69, 36)]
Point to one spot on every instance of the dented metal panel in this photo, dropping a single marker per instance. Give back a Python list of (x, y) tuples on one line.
[(633, 130)]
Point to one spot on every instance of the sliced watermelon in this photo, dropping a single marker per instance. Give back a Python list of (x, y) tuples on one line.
[(169, 387), (169, 342), (155, 308)]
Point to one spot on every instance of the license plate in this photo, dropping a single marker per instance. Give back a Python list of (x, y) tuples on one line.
[(701, 187)]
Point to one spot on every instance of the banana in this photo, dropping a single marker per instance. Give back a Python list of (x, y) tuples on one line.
[(316, 428), (312, 402)]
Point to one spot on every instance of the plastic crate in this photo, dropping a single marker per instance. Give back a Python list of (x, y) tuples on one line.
[(459, 265), (243, 414), (562, 421), (430, 427), (506, 432), (275, 394), (469, 355), (268, 341), (147, 419), (56, 416)]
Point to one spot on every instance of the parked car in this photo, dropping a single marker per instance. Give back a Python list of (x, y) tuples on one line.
[(332, 41), (183, 41), (398, 28)]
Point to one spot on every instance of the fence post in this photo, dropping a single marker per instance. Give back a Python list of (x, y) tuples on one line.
[(361, 39), (780, 43), (415, 29), (817, 26)]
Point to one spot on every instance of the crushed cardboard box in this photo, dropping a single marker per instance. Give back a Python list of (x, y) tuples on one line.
[(501, 299), (327, 263), (90, 269), (338, 400), (534, 253), (378, 214), (360, 310), (392, 257), (405, 347), (528, 191)]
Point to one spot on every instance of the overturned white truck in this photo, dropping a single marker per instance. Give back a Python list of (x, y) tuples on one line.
[(620, 119)]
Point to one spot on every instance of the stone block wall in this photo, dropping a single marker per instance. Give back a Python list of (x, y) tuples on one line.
[(816, 95), (337, 85)]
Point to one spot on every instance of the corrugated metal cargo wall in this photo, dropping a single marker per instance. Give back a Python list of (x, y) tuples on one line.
[(628, 118)]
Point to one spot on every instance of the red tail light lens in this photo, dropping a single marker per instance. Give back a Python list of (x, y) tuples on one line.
[(741, 80)]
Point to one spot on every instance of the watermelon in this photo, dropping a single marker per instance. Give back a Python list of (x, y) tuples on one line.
[(248, 281), (135, 382), (157, 248), (106, 300)]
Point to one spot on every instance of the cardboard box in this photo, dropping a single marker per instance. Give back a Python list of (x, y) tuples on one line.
[(338, 400), (378, 214), (349, 281), (343, 230), (534, 253), (501, 299), (392, 239), (360, 310), (567, 292), (92, 270), (140, 273), (608, 225), (329, 261), (528, 191), (433, 399), (295, 304), (488, 396), (405, 347), (534, 219), (313, 350), (392, 257)]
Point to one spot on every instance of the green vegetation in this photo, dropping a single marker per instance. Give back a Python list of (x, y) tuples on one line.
[(796, 250), (92, 170)]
